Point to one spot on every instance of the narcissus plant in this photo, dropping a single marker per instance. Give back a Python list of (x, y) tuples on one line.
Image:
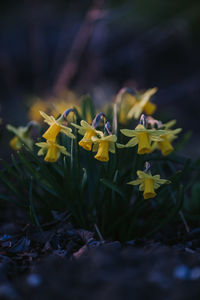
[(103, 146), (104, 143), (88, 131), (22, 136), (92, 192), (51, 150), (56, 126), (143, 104), (165, 146), (142, 137), (148, 183)]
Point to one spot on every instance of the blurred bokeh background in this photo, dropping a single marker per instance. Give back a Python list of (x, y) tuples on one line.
[(97, 47)]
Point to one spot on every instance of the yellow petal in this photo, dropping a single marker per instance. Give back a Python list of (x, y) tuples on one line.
[(149, 108), (112, 147), (135, 182), (67, 132), (144, 98), (110, 138), (63, 150), (47, 118), (120, 146), (169, 124), (128, 132), (86, 125)]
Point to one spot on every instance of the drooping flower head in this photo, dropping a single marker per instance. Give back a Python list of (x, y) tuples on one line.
[(103, 144), (143, 104), (88, 131), (148, 183), (165, 145), (22, 136), (56, 126), (142, 137), (51, 150)]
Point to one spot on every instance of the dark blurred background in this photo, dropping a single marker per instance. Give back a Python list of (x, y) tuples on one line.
[(97, 47)]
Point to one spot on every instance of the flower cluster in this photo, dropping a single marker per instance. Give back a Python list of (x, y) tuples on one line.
[(150, 139), (51, 149), (96, 140), (97, 136)]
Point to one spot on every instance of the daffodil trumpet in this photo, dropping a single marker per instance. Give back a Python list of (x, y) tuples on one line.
[(103, 145), (148, 183)]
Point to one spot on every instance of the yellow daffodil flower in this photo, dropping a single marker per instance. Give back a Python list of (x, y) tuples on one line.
[(22, 136), (148, 183), (165, 146), (52, 151), (103, 145), (88, 132), (143, 104), (55, 128), (142, 137)]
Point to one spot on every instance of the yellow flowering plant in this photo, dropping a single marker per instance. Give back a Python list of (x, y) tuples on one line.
[(103, 144), (88, 131), (164, 145), (91, 185), (52, 151), (55, 126), (21, 136), (143, 137), (143, 104), (148, 183)]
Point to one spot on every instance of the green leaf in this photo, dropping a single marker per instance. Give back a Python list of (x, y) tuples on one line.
[(32, 208), (112, 186), (183, 141), (7, 182), (84, 180), (87, 108), (9, 168), (171, 214)]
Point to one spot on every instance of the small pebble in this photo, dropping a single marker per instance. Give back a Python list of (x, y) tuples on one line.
[(181, 272), (34, 280)]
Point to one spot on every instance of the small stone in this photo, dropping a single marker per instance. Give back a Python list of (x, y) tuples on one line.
[(181, 272), (34, 280)]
